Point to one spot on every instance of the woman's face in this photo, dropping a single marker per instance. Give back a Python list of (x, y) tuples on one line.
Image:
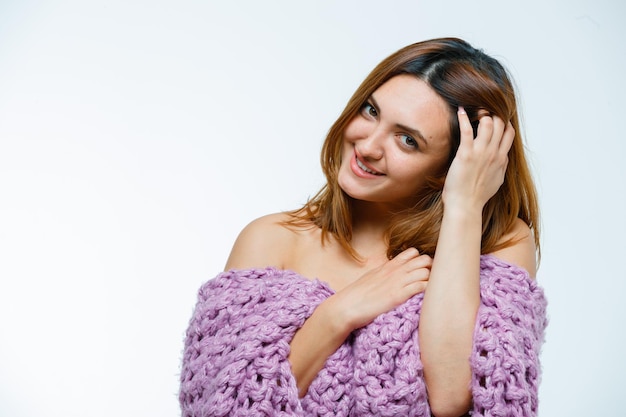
[(399, 138)]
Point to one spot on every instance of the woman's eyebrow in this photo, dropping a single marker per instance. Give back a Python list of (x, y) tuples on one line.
[(413, 131)]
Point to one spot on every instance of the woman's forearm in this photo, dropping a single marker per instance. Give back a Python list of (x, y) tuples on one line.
[(320, 336), (449, 309)]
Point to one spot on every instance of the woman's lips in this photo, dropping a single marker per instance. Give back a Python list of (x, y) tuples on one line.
[(362, 169)]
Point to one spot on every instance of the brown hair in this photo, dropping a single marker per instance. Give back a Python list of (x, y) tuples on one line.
[(461, 75)]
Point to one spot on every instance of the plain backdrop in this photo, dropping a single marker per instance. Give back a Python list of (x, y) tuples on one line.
[(137, 138)]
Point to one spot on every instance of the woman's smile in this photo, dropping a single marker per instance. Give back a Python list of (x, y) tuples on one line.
[(362, 169)]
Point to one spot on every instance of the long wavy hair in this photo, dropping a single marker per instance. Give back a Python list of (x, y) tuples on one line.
[(461, 75)]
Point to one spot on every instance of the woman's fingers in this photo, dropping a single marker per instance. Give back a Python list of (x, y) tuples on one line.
[(507, 139), (421, 262), (490, 132), (486, 130), (465, 126), (406, 255), (411, 260), (493, 133), (502, 138), (417, 287)]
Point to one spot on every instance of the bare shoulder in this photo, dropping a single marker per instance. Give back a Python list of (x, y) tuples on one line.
[(523, 251), (264, 242)]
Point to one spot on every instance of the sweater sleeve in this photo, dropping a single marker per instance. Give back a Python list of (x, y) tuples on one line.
[(237, 344), (509, 332), (389, 375)]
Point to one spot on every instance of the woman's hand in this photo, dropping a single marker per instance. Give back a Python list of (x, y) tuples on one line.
[(478, 169), (376, 292), (383, 288)]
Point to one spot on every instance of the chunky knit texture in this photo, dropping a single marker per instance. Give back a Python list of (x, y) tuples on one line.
[(235, 358)]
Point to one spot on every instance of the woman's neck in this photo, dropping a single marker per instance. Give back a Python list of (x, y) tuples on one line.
[(370, 222)]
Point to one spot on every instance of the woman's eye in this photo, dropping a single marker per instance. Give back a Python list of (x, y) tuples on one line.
[(369, 110), (408, 141)]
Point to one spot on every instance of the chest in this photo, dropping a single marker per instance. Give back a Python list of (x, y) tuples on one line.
[(330, 263)]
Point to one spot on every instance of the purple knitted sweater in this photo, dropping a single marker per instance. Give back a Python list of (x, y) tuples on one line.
[(235, 357)]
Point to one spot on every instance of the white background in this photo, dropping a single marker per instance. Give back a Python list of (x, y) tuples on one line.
[(138, 138)]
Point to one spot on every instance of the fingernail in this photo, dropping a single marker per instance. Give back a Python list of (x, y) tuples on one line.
[(461, 110)]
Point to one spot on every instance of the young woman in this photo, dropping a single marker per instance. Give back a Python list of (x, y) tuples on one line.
[(373, 298)]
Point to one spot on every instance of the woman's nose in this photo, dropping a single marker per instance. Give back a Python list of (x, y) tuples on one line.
[(372, 145)]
